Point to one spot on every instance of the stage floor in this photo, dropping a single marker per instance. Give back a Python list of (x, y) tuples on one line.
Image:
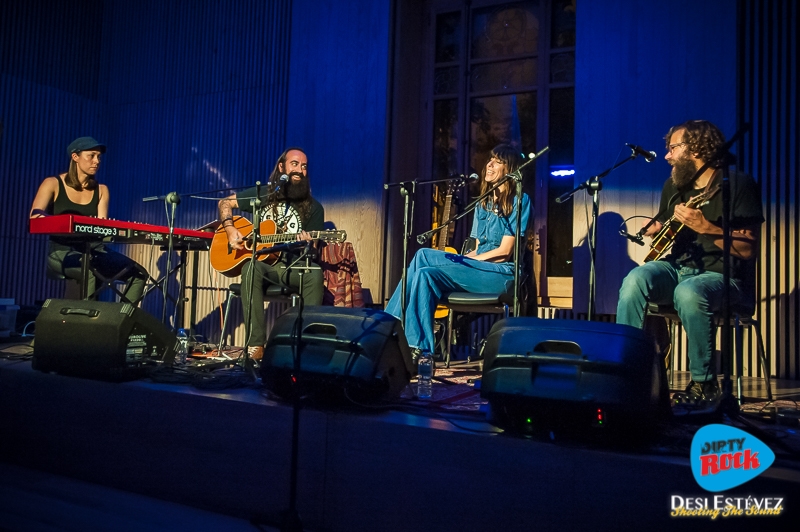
[(227, 451)]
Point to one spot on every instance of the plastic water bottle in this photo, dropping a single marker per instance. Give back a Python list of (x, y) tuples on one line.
[(424, 375), (183, 347)]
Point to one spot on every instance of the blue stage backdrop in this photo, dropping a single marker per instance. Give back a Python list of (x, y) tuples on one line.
[(641, 68), (193, 96)]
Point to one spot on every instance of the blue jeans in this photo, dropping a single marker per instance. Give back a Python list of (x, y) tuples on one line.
[(433, 273), (695, 295)]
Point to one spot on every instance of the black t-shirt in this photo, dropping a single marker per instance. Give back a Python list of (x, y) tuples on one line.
[(699, 251), (286, 215)]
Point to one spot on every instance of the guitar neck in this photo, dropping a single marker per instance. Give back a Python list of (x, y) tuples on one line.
[(444, 233), (695, 202), (664, 239), (288, 237)]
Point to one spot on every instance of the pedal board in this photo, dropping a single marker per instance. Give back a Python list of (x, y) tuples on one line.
[(211, 363)]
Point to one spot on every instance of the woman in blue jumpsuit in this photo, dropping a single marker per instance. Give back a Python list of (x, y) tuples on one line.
[(487, 269)]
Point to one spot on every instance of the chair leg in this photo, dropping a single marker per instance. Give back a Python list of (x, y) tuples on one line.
[(449, 338), (231, 295), (762, 357), (672, 327), (739, 338)]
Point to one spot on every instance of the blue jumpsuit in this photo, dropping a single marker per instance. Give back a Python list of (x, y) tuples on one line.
[(433, 273)]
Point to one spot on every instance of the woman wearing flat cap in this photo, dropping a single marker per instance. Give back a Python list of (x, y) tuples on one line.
[(78, 192)]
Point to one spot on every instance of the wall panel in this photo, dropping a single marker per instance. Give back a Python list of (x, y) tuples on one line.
[(640, 69), (768, 101), (337, 112), (38, 122)]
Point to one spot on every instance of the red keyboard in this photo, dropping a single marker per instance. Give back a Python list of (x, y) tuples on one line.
[(118, 231)]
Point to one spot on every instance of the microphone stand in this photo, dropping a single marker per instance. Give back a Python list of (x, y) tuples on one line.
[(255, 205), (517, 177), (518, 231), (722, 155), (408, 190), (291, 518), (173, 199), (594, 185), (193, 194)]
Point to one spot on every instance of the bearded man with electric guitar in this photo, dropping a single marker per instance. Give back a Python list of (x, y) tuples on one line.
[(288, 211), (684, 266)]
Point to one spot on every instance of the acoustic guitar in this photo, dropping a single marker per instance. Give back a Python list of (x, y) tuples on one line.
[(664, 239), (443, 236), (229, 262)]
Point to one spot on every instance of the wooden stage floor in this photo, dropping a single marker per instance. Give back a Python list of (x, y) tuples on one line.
[(80, 454)]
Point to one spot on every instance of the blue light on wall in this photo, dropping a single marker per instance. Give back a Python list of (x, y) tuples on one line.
[(562, 171)]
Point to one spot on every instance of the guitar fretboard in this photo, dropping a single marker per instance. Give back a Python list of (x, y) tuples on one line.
[(291, 237)]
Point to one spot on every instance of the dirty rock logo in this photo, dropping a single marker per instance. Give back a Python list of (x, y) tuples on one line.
[(724, 457)]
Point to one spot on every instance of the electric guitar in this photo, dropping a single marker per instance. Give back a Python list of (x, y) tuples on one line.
[(664, 239), (229, 262), (443, 237)]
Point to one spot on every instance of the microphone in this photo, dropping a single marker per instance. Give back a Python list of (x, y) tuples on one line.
[(280, 181), (256, 202), (463, 176), (172, 197), (532, 156), (633, 238), (649, 156), (279, 248)]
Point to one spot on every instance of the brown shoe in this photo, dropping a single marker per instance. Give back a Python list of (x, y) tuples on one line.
[(256, 352)]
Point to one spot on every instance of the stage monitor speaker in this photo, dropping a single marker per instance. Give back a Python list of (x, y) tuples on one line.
[(98, 340), (345, 354), (542, 373)]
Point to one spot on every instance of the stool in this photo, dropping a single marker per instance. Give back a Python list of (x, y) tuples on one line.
[(72, 288), (272, 293), (741, 318)]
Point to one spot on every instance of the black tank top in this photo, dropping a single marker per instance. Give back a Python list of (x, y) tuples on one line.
[(64, 205)]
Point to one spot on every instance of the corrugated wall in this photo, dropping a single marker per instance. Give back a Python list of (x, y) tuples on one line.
[(47, 98), (768, 100), (191, 96), (197, 97), (188, 96)]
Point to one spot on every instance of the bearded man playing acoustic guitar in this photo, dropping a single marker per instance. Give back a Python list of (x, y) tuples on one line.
[(690, 276), (287, 201)]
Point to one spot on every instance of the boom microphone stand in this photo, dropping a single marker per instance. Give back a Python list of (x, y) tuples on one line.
[(173, 199), (593, 186), (408, 190), (255, 207), (291, 518), (517, 177), (723, 156), (518, 231)]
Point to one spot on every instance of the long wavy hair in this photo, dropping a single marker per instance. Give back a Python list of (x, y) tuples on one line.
[(505, 195), (702, 139)]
